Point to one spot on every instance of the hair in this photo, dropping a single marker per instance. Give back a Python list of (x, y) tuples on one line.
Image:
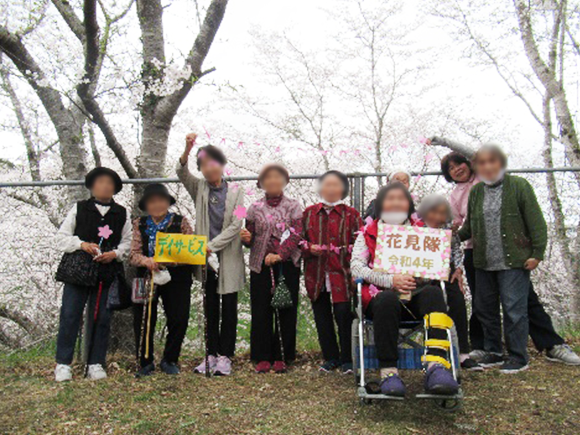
[(396, 171), (213, 153), (432, 201), (343, 178), (494, 150), (273, 167), (456, 158), (384, 191)]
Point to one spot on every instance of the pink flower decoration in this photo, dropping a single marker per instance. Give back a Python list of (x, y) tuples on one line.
[(277, 149), (422, 139), (373, 290), (368, 221), (323, 247), (223, 141), (228, 172), (240, 145), (303, 243), (429, 157), (292, 230), (240, 212), (105, 232), (207, 133), (250, 191), (281, 226)]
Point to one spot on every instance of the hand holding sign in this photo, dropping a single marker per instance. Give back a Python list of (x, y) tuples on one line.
[(180, 248)]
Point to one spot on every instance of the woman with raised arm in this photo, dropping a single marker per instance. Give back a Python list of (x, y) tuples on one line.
[(273, 232), (215, 203)]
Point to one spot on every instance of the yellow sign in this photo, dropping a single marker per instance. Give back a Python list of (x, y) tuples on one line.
[(180, 248)]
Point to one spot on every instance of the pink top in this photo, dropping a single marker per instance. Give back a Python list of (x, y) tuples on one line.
[(458, 200)]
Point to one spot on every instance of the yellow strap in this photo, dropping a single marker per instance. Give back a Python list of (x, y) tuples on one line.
[(442, 344), (438, 320), (436, 359)]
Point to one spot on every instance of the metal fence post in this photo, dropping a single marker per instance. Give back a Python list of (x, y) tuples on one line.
[(357, 203)]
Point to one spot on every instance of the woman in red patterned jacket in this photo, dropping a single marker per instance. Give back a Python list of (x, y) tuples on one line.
[(330, 229)]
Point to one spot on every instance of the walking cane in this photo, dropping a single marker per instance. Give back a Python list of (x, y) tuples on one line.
[(203, 287), (149, 306), (94, 328), (277, 317)]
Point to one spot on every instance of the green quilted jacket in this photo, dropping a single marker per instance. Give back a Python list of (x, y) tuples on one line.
[(523, 227)]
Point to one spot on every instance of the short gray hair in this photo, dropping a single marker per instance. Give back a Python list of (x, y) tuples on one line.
[(430, 202), (493, 149)]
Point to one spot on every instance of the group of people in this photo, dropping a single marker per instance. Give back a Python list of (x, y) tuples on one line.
[(499, 237)]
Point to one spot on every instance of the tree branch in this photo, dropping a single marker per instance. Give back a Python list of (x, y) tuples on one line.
[(168, 106), (70, 18), (92, 55)]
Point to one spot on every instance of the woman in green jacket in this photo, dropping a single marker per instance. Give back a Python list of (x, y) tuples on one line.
[(509, 235)]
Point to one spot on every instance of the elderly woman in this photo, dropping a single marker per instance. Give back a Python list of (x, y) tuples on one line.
[(435, 211), (388, 299), (176, 294), (273, 229), (509, 238), (215, 203), (396, 175), (330, 229)]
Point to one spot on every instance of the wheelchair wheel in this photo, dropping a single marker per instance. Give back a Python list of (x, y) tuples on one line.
[(448, 405)]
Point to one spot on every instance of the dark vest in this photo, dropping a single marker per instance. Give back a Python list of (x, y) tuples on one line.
[(178, 273), (87, 225)]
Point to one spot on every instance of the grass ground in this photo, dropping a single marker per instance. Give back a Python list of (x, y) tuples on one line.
[(543, 399)]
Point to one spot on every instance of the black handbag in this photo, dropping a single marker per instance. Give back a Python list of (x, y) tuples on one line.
[(119, 297), (78, 268)]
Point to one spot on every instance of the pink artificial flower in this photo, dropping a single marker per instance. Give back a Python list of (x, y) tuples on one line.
[(240, 212), (105, 232)]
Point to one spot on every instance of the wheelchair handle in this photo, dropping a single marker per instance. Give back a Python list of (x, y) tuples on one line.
[(359, 281)]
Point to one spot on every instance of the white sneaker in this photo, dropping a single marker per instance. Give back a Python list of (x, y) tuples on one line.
[(62, 373), (477, 355), (563, 353), (96, 372)]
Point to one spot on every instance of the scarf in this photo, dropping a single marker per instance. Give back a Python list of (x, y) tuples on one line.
[(153, 228), (274, 201)]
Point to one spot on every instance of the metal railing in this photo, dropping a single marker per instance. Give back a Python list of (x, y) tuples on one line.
[(357, 180)]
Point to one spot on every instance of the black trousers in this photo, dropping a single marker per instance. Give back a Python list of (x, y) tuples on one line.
[(457, 310), (387, 311), (323, 309), (265, 336), (541, 328), (176, 297), (74, 299), (222, 318)]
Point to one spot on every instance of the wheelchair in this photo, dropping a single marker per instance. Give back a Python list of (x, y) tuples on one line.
[(413, 344)]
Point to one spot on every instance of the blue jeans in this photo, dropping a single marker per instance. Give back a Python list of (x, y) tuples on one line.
[(511, 287), (74, 299)]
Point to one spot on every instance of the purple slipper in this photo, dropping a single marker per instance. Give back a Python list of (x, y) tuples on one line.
[(439, 380), (393, 385)]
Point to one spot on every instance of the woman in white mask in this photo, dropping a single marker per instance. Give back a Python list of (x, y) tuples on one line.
[(388, 299)]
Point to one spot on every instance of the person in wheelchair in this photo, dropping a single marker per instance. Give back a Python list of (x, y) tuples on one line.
[(388, 299)]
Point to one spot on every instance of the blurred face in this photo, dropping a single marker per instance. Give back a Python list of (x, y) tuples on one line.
[(103, 188), (437, 217), (273, 183), (403, 178), (212, 171), (396, 201), (331, 188), (157, 206), (488, 166), (460, 172)]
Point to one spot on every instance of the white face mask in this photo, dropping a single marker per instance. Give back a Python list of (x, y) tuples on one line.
[(497, 179), (394, 217)]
